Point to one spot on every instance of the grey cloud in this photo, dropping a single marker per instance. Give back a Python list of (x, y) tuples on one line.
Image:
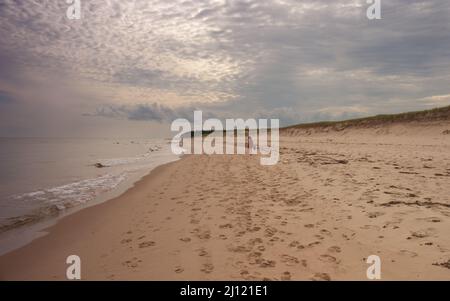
[(6, 98), (164, 114), (298, 60), (149, 112), (140, 77)]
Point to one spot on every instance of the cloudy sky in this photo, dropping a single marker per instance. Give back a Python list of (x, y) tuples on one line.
[(129, 67)]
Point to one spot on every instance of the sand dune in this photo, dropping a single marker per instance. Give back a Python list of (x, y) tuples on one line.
[(335, 198)]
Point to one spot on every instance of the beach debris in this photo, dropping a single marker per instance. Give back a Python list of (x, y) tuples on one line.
[(154, 149), (100, 165), (416, 203), (313, 159), (342, 161), (443, 264)]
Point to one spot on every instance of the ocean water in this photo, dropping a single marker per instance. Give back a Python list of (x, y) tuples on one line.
[(43, 178)]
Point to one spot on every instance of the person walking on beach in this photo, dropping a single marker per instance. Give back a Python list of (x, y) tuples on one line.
[(250, 144)]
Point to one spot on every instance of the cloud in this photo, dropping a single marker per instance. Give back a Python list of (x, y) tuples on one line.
[(297, 60), (437, 100), (164, 114), (148, 112), (6, 98)]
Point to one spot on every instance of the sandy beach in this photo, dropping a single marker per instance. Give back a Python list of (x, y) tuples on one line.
[(334, 198)]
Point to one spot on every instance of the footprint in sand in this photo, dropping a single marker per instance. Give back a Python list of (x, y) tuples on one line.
[(325, 232), (334, 249), (327, 258), (321, 277), (273, 239), (146, 244), (431, 219), (408, 253), (318, 236), (312, 244), (239, 249), (375, 214), (265, 263), (304, 263), (207, 268), (202, 252), (294, 244), (179, 270), (204, 235), (254, 229), (370, 227), (346, 236), (132, 263), (422, 233), (286, 276), (126, 240), (289, 260), (255, 241), (270, 231), (254, 257)]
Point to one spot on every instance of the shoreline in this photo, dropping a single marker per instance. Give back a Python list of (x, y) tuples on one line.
[(64, 225), (330, 202), (16, 238)]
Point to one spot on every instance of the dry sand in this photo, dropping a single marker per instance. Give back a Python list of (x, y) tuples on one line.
[(334, 198)]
